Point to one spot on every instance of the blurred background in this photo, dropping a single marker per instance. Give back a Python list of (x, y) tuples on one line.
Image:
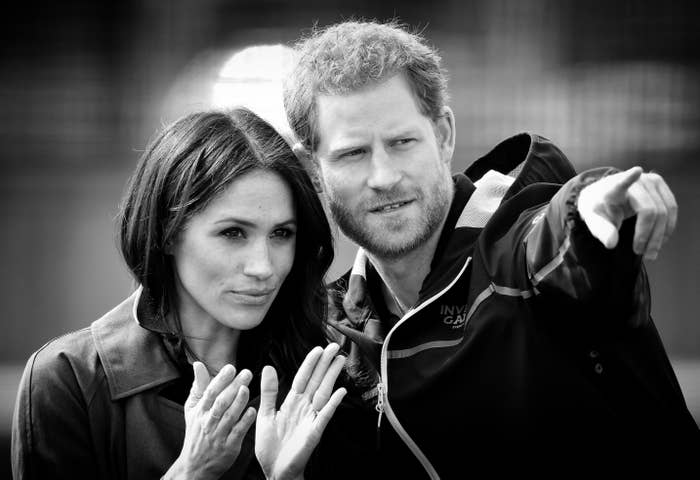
[(84, 84)]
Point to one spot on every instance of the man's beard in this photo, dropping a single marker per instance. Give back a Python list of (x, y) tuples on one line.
[(382, 242)]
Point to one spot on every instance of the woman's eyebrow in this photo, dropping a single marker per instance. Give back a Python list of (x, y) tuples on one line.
[(249, 223)]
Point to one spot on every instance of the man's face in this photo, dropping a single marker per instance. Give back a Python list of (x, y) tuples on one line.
[(385, 167)]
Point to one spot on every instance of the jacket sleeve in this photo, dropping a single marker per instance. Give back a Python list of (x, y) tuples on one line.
[(50, 430), (564, 260), (609, 291)]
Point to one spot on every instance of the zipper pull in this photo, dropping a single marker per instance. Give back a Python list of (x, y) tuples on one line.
[(379, 407)]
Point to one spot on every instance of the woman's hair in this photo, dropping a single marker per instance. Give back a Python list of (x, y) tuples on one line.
[(348, 56), (184, 168)]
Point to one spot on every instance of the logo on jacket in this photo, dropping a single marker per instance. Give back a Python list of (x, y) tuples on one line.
[(454, 315)]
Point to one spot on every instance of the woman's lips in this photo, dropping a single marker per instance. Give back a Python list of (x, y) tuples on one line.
[(252, 297)]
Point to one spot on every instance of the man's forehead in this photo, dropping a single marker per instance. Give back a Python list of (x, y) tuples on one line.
[(348, 118), (349, 135)]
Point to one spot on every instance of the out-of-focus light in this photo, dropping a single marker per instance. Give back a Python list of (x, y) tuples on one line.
[(253, 78)]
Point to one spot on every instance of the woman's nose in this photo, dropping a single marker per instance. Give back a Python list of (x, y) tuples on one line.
[(258, 262)]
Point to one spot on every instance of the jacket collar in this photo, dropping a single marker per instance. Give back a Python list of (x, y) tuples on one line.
[(134, 358), (528, 159), (510, 167)]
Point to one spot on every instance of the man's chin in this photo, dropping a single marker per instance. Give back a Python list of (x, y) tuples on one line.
[(402, 241), (395, 226)]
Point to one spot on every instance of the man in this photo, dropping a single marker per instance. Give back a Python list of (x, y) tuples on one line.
[(490, 316)]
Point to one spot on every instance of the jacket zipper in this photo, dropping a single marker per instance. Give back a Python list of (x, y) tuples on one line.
[(379, 407), (383, 406)]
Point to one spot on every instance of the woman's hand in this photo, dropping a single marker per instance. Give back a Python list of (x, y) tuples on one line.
[(214, 427), (284, 440)]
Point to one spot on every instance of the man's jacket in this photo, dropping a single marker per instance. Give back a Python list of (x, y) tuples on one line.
[(529, 341)]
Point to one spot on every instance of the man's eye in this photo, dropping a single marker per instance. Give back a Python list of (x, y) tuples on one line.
[(404, 142), (353, 153)]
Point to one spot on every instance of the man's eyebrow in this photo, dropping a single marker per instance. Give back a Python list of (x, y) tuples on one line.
[(404, 132), (344, 149)]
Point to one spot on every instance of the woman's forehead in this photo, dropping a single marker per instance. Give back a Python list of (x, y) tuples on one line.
[(258, 197)]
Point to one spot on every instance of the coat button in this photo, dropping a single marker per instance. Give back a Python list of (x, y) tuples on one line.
[(593, 353), (598, 368)]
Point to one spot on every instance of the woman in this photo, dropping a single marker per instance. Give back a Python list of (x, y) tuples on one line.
[(222, 229)]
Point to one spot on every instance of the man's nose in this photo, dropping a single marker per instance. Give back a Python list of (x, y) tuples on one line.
[(384, 174)]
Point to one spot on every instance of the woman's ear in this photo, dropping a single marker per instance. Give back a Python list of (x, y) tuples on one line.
[(169, 247), (446, 134)]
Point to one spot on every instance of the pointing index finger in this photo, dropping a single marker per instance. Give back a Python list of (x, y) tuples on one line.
[(626, 179)]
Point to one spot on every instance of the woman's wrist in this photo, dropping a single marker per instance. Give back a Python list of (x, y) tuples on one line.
[(181, 470)]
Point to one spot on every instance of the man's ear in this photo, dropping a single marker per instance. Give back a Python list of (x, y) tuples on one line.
[(311, 166), (446, 133)]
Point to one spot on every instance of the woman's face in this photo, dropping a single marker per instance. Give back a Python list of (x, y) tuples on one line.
[(232, 257)]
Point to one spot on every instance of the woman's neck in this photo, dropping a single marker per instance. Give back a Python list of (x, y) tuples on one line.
[(211, 342)]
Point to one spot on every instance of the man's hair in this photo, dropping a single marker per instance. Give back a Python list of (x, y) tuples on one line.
[(186, 166), (348, 56)]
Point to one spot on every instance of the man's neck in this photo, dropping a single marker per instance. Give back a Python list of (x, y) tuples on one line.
[(403, 276)]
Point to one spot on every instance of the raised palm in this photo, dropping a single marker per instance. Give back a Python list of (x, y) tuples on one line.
[(285, 439)]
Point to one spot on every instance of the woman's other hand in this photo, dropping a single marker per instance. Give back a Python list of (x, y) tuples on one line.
[(214, 426), (284, 439)]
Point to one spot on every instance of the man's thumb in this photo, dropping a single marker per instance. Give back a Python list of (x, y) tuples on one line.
[(602, 229)]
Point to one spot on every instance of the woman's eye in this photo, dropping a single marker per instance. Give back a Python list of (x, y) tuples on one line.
[(283, 233), (233, 232)]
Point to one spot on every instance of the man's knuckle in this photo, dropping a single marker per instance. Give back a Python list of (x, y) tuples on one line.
[(195, 394), (648, 211)]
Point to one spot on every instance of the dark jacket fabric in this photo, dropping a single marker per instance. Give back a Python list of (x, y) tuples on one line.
[(98, 404), (530, 348)]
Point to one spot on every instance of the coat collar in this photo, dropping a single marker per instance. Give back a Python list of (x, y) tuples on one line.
[(527, 158), (134, 358)]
